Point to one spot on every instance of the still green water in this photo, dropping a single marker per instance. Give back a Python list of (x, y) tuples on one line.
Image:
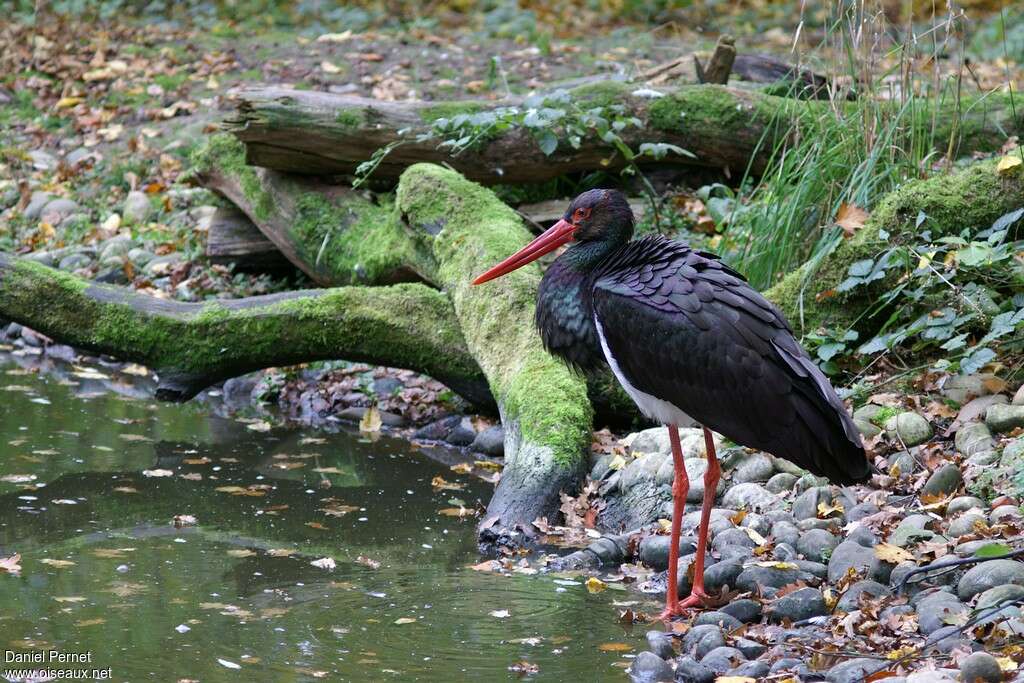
[(234, 596)]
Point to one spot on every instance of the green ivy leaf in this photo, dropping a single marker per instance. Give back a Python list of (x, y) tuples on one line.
[(993, 550), (547, 141)]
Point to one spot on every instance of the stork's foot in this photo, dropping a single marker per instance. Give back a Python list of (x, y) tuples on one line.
[(695, 600)]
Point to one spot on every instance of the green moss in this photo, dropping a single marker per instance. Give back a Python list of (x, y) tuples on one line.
[(351, 118), (970, 198), (601, 94), (533, 389), (223, 153), (712, 107)]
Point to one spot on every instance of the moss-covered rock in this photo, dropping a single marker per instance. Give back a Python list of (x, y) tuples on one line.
[(972, 197)]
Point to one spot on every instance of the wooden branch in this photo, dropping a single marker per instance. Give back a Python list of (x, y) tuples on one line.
[(720, 64), (233, 240), (192, 346)]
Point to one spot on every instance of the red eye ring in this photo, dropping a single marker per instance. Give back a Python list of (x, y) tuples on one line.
[(580, 214)]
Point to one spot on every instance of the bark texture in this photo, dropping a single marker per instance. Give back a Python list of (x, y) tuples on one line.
[(192, 346), (324, 134)]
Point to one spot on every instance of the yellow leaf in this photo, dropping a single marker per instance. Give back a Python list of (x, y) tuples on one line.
[(617, 463), (241, 552), (371, 421), (614, 647), (825, 510), (405, 620), (925, 259), (1010, 164), (595, 585), (461, 468), (900, 653), (59, 564), (735, 679), (68, 102), (771, 564), (892, 554), (1006, 664)]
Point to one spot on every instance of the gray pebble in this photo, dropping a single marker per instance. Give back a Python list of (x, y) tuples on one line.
[(860, 511), (943, 481), (963, 504), (785, 532), (987, 575), (136, 208), (745, 609), (816, 544), (689, 670), (964, 524), (756, 467), (850, 600), (490, 441), (999, 595), (853, 670), (910, 428), (654, 550), (650, 668), (798, 605), (758, 578), (937, 610), (723, 659), (973, 438), (781, 483), (721, 574), (749, 496), (980, 667), (1001, 418), (660, 643), (849, 555), (721, 619), (755, 670)]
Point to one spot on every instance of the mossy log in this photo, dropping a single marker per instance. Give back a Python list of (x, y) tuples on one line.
[(543, 405), (970, 198), (192, 346), (324, 134), (235, 240), (330, 232)]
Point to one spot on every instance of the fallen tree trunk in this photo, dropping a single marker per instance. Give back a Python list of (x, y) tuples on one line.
[(543, 405), (192, 346), (332, 233), (324, 134), (234, 240)]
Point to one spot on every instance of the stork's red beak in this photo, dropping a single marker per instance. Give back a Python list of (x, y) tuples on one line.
[(558, 234)]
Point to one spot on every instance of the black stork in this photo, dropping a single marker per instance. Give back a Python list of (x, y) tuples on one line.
[(688, 339)]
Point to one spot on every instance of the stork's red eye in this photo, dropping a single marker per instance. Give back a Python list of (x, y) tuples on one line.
[(580, 214)]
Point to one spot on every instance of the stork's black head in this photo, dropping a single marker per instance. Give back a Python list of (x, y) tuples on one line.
[(601, 215), (598, 221)]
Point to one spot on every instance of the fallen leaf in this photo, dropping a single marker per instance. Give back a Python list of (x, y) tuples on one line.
[(327, 563), (281, 552), (595, 585), (240, 552), (461, 468), (500, 613), (59, 564), (524, 667), (11, 564), (367, 562), (735, 679), (772, 564), (892, 554), (1009, 164), (440, 483), (614, 647), (371, 421), (850, 218), (157, 473), (70, 598), (228, 664), (405, 620)]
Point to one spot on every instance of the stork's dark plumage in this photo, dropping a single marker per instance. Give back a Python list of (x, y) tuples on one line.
[(687, 337)]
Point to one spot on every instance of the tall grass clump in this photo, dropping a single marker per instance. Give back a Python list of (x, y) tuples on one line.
[(878, 128)]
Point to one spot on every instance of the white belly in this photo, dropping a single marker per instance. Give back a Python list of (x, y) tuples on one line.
[(651, 406)]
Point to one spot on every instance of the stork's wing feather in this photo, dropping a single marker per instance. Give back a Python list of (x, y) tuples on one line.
[(687, 329)]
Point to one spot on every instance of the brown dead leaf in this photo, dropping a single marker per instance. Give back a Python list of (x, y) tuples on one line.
[(367, 562), (851, 218), (11, 565), (892, 554), (615, 647)]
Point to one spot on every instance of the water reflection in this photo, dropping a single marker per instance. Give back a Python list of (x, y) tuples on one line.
[(233, 594)]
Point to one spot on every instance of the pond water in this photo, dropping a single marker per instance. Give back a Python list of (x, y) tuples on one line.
[(91, 481)]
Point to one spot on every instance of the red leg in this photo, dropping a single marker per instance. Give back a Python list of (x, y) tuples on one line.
[(711, 477), (680, 487)]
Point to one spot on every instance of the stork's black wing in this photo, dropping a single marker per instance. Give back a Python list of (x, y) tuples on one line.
[(687, 329)]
